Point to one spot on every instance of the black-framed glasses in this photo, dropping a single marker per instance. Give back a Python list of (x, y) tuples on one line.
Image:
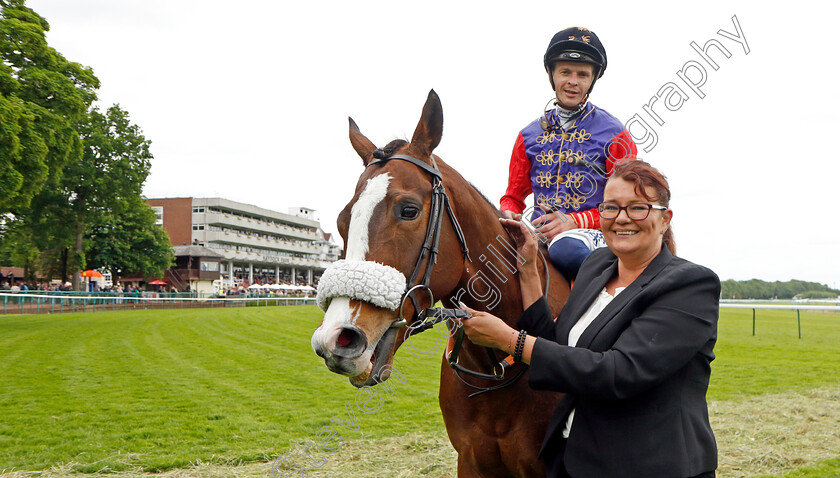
[(637, 211)]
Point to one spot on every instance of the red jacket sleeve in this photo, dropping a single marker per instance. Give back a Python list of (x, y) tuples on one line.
[(519, 179), (621, 149)]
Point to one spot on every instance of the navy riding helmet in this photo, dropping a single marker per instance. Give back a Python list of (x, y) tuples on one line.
[(576, 44)]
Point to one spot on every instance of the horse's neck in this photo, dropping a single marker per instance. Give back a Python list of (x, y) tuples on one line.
[(490, 280)]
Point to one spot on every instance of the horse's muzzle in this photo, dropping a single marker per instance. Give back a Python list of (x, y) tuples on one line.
[(341, 352)]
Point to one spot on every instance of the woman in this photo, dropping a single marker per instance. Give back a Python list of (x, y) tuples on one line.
[(631, 348)]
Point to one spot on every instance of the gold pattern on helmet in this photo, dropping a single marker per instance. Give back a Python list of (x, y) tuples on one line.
[(571, 45)]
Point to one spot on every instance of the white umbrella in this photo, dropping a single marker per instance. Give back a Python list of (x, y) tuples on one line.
[(255, 286), (272, 286)]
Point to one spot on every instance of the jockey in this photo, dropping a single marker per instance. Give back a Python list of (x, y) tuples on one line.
[(565, 156)]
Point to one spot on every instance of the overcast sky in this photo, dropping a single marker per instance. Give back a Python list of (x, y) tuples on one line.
[(249, 101)]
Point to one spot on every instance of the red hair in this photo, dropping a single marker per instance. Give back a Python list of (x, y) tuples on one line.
[(644, 176)]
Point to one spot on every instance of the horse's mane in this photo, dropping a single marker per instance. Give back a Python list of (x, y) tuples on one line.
[(392, 147), (498, 212)]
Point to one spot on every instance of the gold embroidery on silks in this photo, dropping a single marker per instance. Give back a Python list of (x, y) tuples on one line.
[(546, 179), (572, 179), (562, 201), (573, 201), (547, 158), (579, 135), (585, 38), (543, 200), (547, 137)]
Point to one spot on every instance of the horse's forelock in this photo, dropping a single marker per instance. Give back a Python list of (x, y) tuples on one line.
[(389, 149)]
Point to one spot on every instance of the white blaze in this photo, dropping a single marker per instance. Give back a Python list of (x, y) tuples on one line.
[(339, 311), (360, 214)]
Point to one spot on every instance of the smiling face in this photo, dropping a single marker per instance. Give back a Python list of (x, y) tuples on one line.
[(572, 81), (634, 242)]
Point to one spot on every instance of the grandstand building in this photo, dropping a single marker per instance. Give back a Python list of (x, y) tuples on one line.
[(256, 245)]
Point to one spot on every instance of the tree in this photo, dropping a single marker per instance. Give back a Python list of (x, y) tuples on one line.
[(68, 172), (42, 97), (759, 289), (100, 195), (129, 241)]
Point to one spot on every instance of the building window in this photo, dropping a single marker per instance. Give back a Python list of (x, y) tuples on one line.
[(198, 209), (158, 214), (198, 227), (210, 266)]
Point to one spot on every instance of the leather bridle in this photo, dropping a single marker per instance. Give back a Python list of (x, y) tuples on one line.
[(425, 318)]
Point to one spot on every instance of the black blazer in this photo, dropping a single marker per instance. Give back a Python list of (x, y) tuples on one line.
[(638, 376)]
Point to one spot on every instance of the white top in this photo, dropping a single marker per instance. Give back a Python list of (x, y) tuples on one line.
[(600, 303)]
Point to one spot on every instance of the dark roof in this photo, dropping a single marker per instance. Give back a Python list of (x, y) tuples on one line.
[(194, 251)]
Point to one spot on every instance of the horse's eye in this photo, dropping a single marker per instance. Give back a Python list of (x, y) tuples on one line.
[(409, 212)]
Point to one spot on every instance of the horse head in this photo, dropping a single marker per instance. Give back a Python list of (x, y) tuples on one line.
[(384, 228)]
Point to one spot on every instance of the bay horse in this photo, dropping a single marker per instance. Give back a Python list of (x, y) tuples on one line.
[(386, 229)]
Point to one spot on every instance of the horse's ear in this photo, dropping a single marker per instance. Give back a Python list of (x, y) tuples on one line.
[(363, 146), (430, 128)]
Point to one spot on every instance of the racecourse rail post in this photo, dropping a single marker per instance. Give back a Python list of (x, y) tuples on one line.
[(798, 323)]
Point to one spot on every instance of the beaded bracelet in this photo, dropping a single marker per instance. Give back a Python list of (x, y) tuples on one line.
[(520, 346)]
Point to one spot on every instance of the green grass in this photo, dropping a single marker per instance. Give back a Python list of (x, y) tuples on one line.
[(826, 469), (775, 359), (162, 389)]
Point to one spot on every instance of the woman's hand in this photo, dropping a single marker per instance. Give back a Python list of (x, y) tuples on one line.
[(526, 241), (487, 330), (527, 247)]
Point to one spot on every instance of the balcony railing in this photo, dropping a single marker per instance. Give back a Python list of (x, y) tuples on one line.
[(258, 225)]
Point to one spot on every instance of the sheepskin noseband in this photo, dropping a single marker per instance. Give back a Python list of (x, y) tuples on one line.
[(368, 281)]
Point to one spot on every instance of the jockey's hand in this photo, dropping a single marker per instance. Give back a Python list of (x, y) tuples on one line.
[(553, 223), (526, 241), (487, 330), (511, 215)]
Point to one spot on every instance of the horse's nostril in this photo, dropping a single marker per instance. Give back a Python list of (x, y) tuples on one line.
[(351, 343), (345, 338)]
